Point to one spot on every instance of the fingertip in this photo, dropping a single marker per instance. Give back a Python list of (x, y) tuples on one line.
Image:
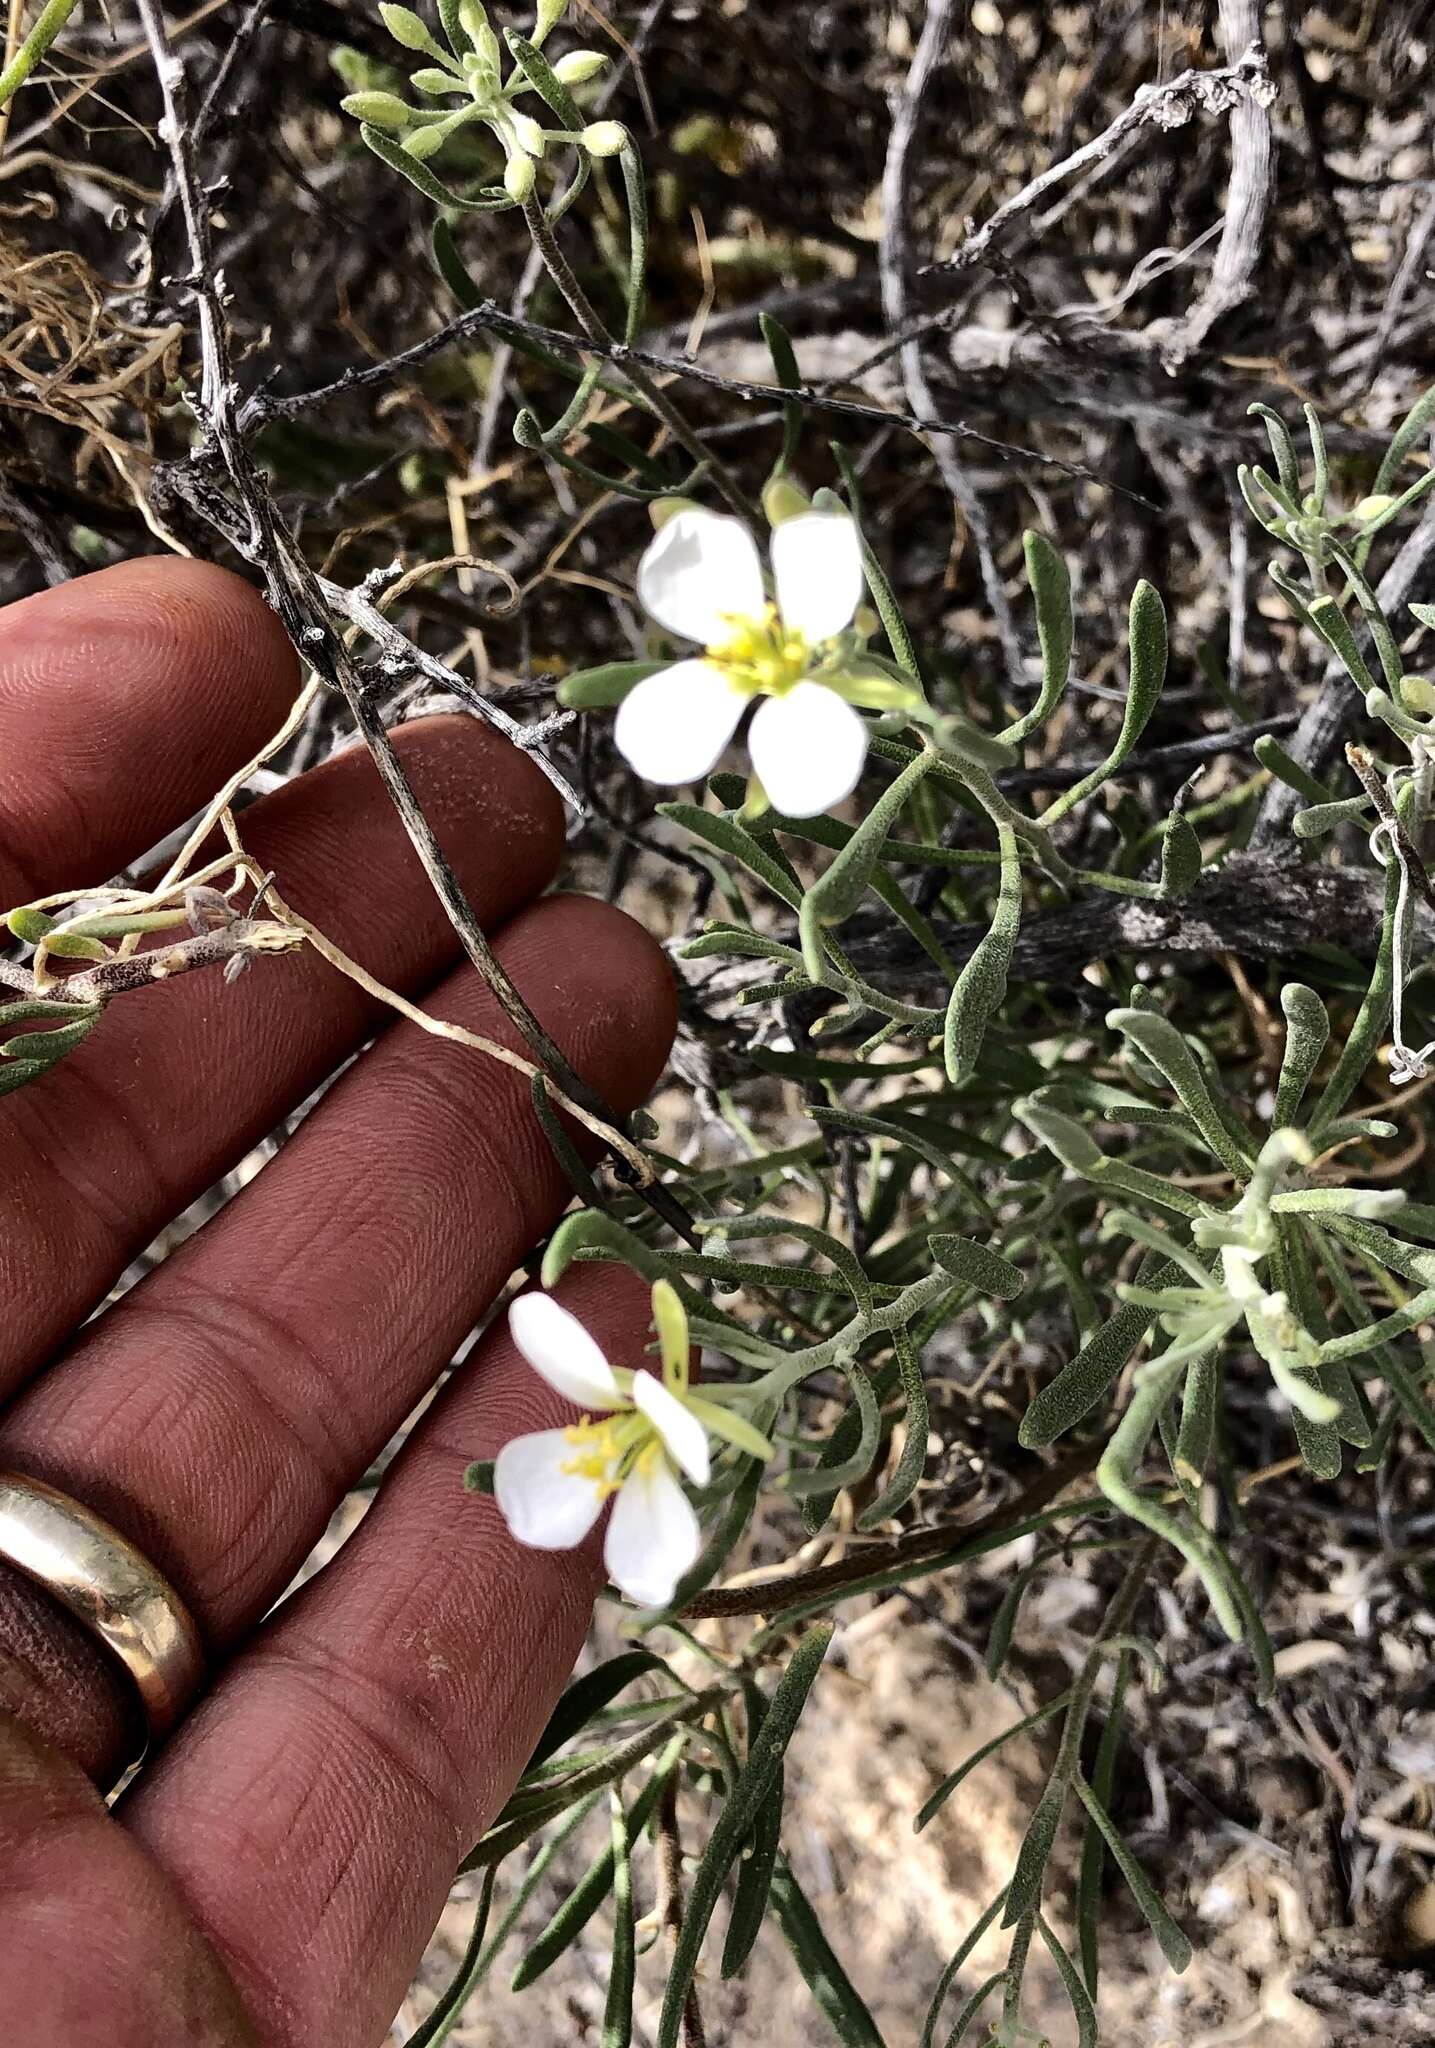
[(620, 1037), (125, 697), (486, 799)]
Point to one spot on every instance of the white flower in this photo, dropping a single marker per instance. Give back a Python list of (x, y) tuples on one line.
[(552, 1486), (702, 579)]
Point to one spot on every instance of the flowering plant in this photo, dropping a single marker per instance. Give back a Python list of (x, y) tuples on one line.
[(799, 653), (554, 1484)]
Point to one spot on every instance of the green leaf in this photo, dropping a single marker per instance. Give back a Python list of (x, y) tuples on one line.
[(1369, 1026), (752, 1786), (636, 198), (981, 986), (1180, 858), (1307, 1030), (977, 1265), (1404, 439), (1024, 1891), (831, 1987), (30, 925), (1167, 1050), (737, 843), (569, 1158), (903, 1482), (449, 2010), (1319, 819), (1093, 1844), (839, 1255), (545, 82), (458, 37), (784, 363), (589, 1695), (1080, 1384), (953, 1965), (830, 1475), (568, 1922), (422, 178), (1082, 2008), (1282, 448), (1173, 1943), (1050, 582), (938, 1799), (835, 896), (754, 1882), (1273, 756), (618, 2007), (1147, 639), (888, 610)]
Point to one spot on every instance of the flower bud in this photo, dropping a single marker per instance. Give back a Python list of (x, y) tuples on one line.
[(527, 133), (579, 66), (781, 499), (474, 22), (1370, 508), (547, 16), (425, 142), (433, 80), (1417, 694), (603, 138), (380, 110), (661, 510), (518, 178), (405, 26)]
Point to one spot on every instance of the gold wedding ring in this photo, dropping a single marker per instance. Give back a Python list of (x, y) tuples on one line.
[(110, 1587)]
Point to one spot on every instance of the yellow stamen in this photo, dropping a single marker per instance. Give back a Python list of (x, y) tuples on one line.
[(760, 656)]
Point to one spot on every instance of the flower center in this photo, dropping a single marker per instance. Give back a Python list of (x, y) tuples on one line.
[(606, 1452), (761, 657)]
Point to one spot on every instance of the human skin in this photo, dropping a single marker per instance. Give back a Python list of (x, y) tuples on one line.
[(276, 1869)]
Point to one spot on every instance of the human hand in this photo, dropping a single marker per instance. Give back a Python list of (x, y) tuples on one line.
[(276, 1869)]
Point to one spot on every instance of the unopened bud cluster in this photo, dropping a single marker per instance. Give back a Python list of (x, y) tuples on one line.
[(471, 72)]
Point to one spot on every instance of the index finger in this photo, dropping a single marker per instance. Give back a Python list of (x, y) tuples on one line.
[(126, 698)]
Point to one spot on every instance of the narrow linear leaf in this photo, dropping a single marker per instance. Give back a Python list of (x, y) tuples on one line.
[(1173, 1943), (618, 2007), (981, 986), (754, 1782), (978, 1266), (938, 1799), (836, 1995), (836, 894), (1147, 641), (784, 363), (903, 1482), (1050, 582)]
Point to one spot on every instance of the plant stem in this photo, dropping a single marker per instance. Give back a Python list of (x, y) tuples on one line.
[(587, 316)]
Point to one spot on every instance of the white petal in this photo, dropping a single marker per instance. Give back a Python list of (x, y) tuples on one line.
[(653, 1537), (673, 726), (817, 568), (808, 748), (683, 1435), (699, 573), (545, 1507), (560, 1351)]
